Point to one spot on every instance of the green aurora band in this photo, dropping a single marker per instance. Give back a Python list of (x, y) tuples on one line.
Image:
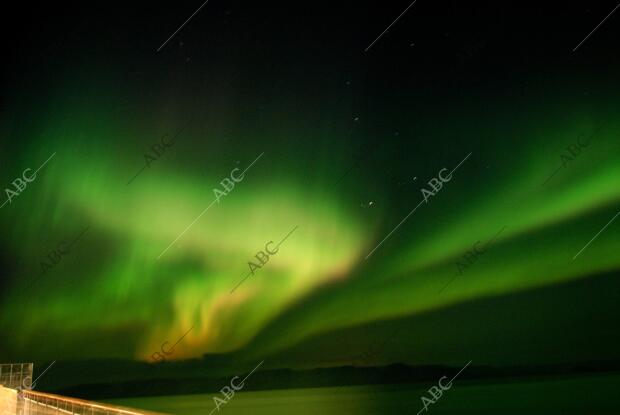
[(112, 296)]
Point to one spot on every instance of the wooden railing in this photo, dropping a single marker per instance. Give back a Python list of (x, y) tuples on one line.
[(38, 403), (16, 375)]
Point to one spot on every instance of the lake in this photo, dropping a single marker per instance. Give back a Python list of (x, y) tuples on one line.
[(579, 395)]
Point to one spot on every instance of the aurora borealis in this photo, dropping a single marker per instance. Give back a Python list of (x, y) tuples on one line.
[(347, 149)]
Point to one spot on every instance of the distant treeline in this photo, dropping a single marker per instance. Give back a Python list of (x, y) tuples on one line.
[(172, 378)]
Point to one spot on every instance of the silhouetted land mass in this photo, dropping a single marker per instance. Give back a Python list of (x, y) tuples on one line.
[(103, 379)]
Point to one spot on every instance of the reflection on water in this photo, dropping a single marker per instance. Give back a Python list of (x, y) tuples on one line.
[(533, 396)]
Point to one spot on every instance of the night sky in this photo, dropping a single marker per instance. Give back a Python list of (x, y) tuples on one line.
[(339, 142)]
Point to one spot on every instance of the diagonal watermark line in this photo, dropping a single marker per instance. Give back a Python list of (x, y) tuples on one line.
[(35, 381), (394, 230), (494, 237), (355, 164), (79, 236), (345, 174), (459, 165), (597, 27), (596, 236), (162, 137), (287, 235), (460, 371), (553, 174), (489, 242), (42, 273), (451, 380), (203, 212), (250, 273), (244, 379), (241, 282), (164, 44), (136, 175), (250, 374), (45, 162), (252, 163), (410, 213), (182, 337), (35, 173), (186, 229), (581, 146), (388, 28), (449, 282)]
